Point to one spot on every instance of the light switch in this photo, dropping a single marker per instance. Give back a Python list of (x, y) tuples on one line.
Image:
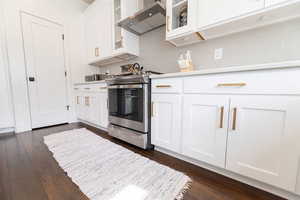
[(219, 54)]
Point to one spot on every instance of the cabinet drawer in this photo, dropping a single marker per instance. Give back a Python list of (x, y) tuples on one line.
[(170, 85), (255, 82)]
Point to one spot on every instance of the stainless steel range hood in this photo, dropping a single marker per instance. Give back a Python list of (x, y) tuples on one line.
[(146, 20)]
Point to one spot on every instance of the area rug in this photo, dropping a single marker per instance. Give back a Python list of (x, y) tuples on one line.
[(107, 171)]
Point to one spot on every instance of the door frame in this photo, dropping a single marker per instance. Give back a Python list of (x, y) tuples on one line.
[(65, 55)]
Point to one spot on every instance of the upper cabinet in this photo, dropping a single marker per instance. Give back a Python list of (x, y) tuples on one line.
[(216, 18), (124, 41), (181, 22), (106, 43), (97, 19), (211, 12)]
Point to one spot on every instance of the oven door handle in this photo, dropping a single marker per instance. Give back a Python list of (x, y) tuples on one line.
[(136, 86)]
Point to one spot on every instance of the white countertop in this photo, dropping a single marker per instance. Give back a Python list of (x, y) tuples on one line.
[(279, 65), (89, 83)]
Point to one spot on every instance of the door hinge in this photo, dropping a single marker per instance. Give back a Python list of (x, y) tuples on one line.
[(68, 107), (63, 36)]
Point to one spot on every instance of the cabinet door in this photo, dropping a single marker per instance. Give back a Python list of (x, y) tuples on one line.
[(103, 109), (91, 33), (263, 141), (205, 123), (166, 121), (214, 11), (94, 109), (97, 19), (181, 16)]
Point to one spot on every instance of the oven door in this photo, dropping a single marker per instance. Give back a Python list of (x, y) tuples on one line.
[(128, 106)]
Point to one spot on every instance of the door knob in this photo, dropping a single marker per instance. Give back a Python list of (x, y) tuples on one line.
[(31, 79)]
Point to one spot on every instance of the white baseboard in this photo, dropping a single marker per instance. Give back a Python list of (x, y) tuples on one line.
[(7, 130), (224, 172), (93, 125)]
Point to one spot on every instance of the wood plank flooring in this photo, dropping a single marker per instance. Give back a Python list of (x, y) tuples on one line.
[(29, 172)]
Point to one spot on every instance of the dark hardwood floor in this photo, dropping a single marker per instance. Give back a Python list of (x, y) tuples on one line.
[(29, 172)]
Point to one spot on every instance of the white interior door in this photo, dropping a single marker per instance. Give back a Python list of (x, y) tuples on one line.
[(44, 53), (263, 141), (205, 123)]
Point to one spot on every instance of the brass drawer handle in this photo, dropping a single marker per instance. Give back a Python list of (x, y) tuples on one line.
[(152, 107), (77, 100), (168, 24), (234, 119), (231, 84), (163, 86), (97, 52), (222, 117)]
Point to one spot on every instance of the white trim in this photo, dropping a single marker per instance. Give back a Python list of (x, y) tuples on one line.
[(232, 175), (7, 130)]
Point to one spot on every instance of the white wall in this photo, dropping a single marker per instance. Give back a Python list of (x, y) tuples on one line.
[(274, 43), (6, 111), (65, 12)]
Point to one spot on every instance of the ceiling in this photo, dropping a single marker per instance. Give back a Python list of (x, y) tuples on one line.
[(88, 1)]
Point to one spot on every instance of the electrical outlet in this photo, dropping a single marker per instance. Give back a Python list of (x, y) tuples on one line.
[(219, 54)]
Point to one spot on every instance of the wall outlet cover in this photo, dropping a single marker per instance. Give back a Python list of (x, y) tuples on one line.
[(218, 53)]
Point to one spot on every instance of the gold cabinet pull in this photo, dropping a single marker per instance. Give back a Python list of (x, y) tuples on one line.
[(234, 119), (168, 24), (87, 101), (77, 99), (97, 52), (152, 109), (222, 117), (163, 86), (231, 84)]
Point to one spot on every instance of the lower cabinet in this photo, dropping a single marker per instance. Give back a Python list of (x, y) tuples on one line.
[(205, 123), (251, 131), (262, 140), (91, 106), (166, 121)]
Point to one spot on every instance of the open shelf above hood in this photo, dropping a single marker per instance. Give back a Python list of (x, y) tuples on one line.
[(145, 20)]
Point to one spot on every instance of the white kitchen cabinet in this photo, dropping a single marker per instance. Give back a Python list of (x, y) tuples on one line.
[(205, 123), (98, 32), (214, 11), (263, 139), (91, 104), (179, 33), (124, 42), (166, 121)]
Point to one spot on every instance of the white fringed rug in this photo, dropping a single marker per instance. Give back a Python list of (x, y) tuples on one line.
[(106, 171)]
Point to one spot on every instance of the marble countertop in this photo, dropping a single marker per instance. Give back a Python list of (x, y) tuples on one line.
[(278, 65)]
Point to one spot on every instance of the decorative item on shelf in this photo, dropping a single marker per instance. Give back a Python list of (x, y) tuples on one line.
[(185, 62), (183, 16)]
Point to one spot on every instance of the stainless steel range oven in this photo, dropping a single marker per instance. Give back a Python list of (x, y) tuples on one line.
[(129, 104)]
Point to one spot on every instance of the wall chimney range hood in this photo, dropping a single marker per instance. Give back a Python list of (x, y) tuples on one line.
[(145, 20)]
